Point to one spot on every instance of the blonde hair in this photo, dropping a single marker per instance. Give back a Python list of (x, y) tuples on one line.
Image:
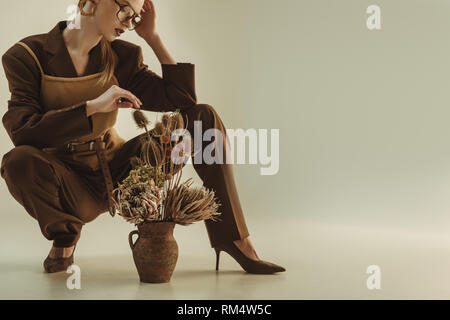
[(109, 57)]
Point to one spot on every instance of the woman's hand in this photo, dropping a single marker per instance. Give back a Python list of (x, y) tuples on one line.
[(147, 28), (108, 101)]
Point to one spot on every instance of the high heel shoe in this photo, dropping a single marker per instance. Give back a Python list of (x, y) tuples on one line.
[(58, 264), (249, 265)]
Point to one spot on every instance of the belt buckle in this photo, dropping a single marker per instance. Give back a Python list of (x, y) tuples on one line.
[(71, 145)]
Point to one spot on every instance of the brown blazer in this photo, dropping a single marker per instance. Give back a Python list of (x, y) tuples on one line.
[(27, 123)]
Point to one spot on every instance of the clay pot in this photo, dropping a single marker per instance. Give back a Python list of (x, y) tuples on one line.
[(155, 251)]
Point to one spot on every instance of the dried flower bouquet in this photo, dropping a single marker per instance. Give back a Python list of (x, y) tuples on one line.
[(152, 192)]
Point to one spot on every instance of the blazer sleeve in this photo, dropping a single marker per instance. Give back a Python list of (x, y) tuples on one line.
[(25, 120), (174, 90)]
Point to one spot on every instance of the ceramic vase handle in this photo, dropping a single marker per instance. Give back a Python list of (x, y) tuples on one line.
[(130, 238)]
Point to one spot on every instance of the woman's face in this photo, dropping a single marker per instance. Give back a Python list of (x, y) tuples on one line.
[(106, 18)]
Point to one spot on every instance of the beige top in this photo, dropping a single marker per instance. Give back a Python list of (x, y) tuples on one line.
[(58, 93)]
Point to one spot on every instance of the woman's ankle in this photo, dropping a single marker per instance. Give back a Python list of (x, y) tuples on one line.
[(246, 247), (61, 252)]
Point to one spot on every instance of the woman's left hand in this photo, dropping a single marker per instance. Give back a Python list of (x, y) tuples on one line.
[(147, 28)]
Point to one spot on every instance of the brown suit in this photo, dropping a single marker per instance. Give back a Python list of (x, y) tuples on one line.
[(62, 197)]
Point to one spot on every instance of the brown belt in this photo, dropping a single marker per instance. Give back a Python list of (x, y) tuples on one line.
[(98, 145)]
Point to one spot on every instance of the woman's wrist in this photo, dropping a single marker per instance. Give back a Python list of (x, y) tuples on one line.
[(151, 40)]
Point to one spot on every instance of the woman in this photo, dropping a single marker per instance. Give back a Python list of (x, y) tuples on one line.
[(66, 88)]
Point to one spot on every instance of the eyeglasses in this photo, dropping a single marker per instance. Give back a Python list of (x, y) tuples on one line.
[(126, 13)]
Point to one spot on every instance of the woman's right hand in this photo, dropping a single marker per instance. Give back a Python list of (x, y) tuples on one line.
[(108, 101)]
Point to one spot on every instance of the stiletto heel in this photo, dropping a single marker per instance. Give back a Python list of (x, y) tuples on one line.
[(217, 258), (249, 265)]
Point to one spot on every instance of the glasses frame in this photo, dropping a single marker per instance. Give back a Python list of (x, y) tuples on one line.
[(132, 17)]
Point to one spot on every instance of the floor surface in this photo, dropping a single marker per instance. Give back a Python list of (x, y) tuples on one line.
[(322, 261)]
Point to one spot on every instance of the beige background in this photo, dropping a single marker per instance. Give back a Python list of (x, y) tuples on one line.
[(363, 119)]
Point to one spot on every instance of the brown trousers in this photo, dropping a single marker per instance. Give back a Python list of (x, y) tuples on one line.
[(63, 199)]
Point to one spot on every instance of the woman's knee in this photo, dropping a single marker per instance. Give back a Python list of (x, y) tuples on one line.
[(205, 108), (23, 163), (201, 112)]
